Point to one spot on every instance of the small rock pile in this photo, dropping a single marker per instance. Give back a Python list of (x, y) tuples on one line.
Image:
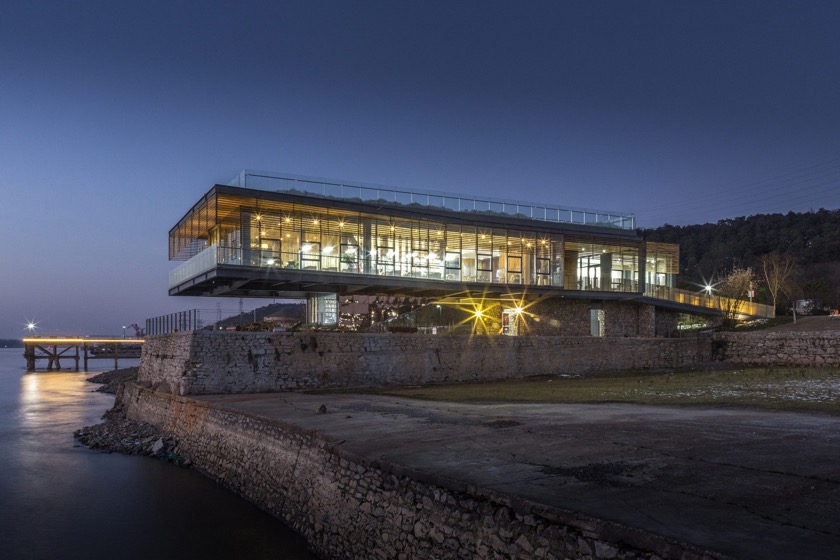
[(111, 380), (123, 435)]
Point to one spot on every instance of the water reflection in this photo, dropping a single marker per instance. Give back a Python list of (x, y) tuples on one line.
[(60, 500)]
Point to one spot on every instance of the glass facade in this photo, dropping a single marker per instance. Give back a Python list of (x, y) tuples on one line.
[(248, 242), (272, 234)]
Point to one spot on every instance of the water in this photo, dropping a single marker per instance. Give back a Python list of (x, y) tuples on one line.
[(60, 500)]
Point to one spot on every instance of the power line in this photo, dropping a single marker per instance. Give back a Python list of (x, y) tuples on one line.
[(814, 184)]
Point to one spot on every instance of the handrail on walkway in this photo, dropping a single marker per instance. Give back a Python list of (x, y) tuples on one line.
[(742, 309)]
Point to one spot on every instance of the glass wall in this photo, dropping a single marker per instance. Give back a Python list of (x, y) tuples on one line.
[(282, 235), (382, 246)]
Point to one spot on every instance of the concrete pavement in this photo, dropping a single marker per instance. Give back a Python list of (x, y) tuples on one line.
[(749, 484)]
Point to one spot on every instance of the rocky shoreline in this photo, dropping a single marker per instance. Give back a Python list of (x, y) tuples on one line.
[(122, 435)]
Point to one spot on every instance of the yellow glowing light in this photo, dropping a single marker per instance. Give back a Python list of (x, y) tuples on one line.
[(68, 340), (315, 222), (478, 313), (259, 217), (288, 220)]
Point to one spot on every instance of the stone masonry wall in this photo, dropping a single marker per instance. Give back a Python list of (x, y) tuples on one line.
[(571, 317), (778, 349), (349, 508), (204, 362)]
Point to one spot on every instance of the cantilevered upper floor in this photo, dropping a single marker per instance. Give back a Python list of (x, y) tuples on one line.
[(282, 236)]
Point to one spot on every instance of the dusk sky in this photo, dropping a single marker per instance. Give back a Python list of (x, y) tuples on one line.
[(115, 117)]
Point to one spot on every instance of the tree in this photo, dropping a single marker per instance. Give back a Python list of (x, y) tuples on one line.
[(733, 290), (778, 270)]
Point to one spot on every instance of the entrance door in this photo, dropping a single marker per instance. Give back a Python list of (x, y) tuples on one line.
[(596, 322), (509, 322)]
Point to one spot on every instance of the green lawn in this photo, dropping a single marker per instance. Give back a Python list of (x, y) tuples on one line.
[(797, 389)]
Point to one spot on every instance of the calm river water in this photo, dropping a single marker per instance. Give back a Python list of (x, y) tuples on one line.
[(60, 500)]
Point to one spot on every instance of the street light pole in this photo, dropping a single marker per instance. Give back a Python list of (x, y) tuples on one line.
[(123, 332)]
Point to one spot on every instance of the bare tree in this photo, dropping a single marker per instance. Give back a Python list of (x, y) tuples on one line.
[(733, 290), (778, 270)]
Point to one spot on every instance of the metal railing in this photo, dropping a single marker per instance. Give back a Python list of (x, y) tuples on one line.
[(743, 309), (327, 188), (175, 322), (215, 255)]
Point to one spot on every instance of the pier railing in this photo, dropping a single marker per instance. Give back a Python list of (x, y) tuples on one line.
[(53, 349)]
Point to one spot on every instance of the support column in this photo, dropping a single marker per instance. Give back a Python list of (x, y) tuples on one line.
[(606, 271), (570, 270), (29, 354), (642, 267), (647, 321)]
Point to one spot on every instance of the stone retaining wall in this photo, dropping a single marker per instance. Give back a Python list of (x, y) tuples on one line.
[(778, 349), (205, 362), (349, 508)]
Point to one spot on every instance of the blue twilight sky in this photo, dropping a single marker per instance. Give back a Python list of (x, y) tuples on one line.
[(115, 117)]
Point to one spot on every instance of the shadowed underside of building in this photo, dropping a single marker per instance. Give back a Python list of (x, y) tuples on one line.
[(518, 267)]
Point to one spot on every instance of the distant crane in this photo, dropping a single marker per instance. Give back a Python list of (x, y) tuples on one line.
[(138, 332)]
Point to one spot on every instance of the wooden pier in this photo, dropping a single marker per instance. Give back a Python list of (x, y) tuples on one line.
[(53, 349)]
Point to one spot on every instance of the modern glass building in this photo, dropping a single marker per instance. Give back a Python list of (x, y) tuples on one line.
[(276, 235)]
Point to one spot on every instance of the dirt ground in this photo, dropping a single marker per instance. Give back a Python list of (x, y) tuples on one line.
[(817, 323)]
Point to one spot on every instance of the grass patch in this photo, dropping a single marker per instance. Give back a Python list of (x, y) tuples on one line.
[(795, 389), (761, 324)]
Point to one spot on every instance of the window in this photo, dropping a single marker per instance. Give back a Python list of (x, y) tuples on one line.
[(452, 264)]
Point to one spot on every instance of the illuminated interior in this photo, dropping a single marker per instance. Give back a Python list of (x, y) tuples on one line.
[(281, 233)]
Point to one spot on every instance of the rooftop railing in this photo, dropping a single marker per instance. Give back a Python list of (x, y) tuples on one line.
[(326, 188)]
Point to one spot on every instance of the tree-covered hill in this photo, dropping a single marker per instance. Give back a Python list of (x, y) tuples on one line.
[(708, 251)]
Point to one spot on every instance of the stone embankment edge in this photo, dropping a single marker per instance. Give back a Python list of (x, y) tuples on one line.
[(204, 362), (778, 349), (349, 507)]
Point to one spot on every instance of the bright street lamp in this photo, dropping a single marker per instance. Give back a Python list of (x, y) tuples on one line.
[(123, 331)]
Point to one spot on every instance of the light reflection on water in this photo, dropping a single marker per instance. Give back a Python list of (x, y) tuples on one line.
[(61, 500)]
